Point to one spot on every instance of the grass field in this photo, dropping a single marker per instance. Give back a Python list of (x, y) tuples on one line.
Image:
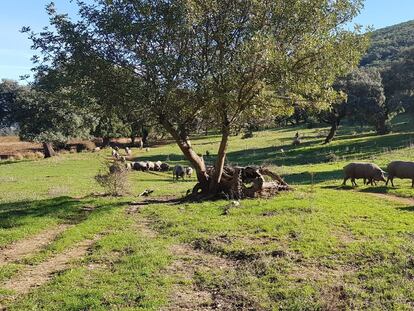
[(65, 246)]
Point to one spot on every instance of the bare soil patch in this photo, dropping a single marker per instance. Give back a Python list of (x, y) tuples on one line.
[(186, 295), (38, 275), (28, 246), (334, 294)]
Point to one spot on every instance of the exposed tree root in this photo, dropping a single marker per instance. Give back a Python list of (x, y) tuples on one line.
[(241, 182)]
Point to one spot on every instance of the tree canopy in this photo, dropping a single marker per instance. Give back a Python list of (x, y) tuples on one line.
[(185, 60)]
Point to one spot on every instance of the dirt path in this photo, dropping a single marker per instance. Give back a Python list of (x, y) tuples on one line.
[(37, 275), (185, 294), (393, 198), (30, 245)]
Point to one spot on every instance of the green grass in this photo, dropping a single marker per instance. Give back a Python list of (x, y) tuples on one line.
[(319, 247)]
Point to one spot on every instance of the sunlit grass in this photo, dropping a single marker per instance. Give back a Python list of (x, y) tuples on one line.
[(320, 246)]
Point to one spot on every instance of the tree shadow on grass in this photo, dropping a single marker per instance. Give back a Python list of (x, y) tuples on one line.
[(339, 186), (376, 189), (369, 189), (307, 178), (62, 209), (7, 162), (406, 208)]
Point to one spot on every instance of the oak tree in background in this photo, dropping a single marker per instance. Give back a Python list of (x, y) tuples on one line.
[(399, 82), (42, 116), (9, 90), (366, 100), (363, 102), (220, 60)]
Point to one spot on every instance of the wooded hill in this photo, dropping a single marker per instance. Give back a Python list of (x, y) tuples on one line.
[(388, 43)]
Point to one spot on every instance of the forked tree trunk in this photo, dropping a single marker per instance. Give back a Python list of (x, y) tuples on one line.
[(48, 150), (221, 158), (225, 182)]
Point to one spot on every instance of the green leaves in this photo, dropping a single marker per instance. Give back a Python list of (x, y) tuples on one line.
[(191, 61)]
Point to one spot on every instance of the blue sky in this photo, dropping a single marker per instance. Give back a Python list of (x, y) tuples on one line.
[(15, 52)]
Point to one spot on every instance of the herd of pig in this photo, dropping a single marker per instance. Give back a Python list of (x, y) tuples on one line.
[(179, 171), (371, 173)]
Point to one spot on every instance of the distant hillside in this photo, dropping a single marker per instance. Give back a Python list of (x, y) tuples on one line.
[(388, 43)]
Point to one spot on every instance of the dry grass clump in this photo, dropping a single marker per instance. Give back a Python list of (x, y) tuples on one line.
[(57, 191), (30, 156), (39, 155), (33, 155), (115, 179), (63, 151), (18, 156)]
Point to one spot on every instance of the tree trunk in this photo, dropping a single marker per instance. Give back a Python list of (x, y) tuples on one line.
[(196, 161), (332, 132), (145, 136), (133, 137), (105, 141), (381, 127), (221, 158), (48, 150)]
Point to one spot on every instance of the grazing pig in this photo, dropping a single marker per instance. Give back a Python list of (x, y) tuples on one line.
[(367, 171), (150, 166), (165, 167), (157, 166), (128, 151), (400, 169), (188, 171), (140, 166), (178, 171), (129, 166)]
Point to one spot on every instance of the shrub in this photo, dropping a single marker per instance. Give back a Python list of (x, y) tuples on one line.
[(331, 157), (30, 156), (39, 155), (18, 156), (115, 179), (247, 134)]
